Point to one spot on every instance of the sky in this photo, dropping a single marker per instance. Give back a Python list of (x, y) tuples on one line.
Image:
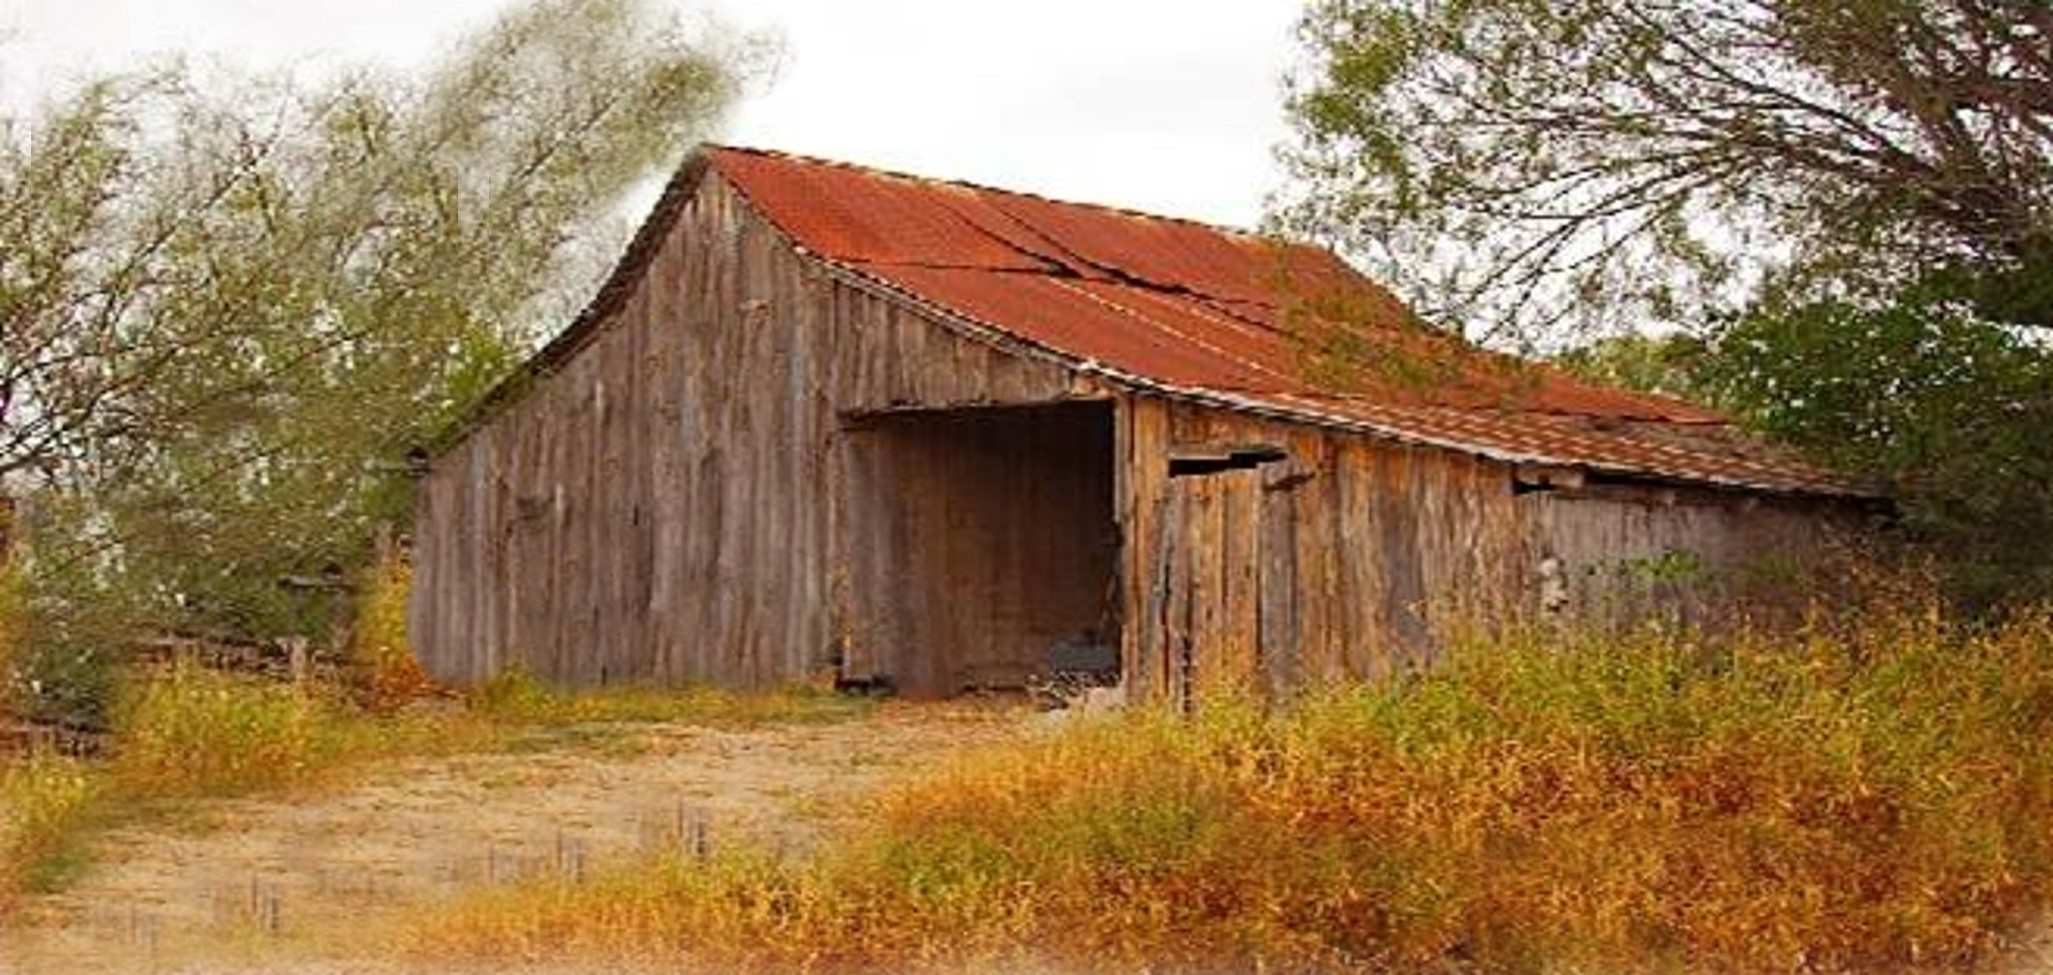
[(1168, 106)]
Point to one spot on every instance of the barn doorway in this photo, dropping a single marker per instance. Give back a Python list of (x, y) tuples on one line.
[(981, 547)]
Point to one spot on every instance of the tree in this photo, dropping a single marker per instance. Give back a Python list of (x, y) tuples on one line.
[(1521, 164), (1670, 365), (1945, 410), (227, 307)]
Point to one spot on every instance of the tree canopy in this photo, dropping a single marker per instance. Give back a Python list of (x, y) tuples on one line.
[(1524, 164), (228, 304)]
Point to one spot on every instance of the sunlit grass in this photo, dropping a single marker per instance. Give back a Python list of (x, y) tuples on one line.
[(190, 734), (1872, 796), (517, 699), (44, 799), (186, 733)]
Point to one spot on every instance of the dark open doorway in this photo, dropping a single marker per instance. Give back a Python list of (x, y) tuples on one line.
[(982, 546)]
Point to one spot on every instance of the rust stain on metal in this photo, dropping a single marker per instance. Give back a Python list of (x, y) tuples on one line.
[(1239, 320)]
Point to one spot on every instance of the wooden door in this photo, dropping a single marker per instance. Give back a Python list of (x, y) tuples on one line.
[(1224, 594)]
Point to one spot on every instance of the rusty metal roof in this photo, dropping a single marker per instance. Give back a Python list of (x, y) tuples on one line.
[(1232, 318)]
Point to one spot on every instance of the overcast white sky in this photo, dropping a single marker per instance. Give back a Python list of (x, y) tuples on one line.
[(1171, 106)]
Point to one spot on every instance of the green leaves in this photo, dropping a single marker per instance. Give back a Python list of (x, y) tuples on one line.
[(1603, 163), (1947, 409), (229, 305)]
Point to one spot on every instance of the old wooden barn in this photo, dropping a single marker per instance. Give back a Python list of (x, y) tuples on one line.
[(825, 417)]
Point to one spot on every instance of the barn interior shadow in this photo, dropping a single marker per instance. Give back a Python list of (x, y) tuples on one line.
[(981, 547)]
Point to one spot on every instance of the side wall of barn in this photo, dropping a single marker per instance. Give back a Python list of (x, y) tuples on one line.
[(1349, 555), (661, 506)]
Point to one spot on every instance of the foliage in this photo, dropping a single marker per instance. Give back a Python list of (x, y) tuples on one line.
[(13, 621), (1666, 364), (57, 668), (234, 303), (1866, 795), (1947, 411), (1516, 163)]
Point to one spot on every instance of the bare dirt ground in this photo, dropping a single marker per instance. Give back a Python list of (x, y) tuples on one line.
[(294, 884)]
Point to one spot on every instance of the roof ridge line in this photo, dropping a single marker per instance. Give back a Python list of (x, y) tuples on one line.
[(987, 188)]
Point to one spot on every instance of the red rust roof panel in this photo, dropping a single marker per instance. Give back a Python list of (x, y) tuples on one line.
[(1171, 304), (857, 215), (1060, 315), (1168, 254)]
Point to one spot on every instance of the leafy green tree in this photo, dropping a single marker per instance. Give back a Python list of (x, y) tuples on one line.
[(1670, 364), (1524, 163), (1946, 410), (229, 306), (1942, 409)]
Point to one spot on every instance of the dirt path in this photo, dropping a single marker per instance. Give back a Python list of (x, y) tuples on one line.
[(290, 884)]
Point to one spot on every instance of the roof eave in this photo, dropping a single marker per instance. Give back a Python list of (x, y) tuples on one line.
[(619, 286), (1012, 343)]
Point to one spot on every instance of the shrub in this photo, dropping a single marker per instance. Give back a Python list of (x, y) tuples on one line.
[(50, 675)]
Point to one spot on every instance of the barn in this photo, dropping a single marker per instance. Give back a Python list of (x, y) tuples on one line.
[(825, 418)]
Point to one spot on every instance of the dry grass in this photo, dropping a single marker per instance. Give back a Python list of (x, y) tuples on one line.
[(1852, 798), (188, 733), (387, 675), (44, 799), (516, 699), (191, 734)]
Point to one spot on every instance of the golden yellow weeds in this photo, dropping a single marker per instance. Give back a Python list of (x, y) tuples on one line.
[(1853, 797)]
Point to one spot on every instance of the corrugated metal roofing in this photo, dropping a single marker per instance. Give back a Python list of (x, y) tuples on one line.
[(1232, 318)]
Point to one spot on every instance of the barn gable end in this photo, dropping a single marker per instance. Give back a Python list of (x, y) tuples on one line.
[(658, 505)]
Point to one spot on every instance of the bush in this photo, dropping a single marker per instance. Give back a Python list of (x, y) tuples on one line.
[(1945, 410), (53, 675)]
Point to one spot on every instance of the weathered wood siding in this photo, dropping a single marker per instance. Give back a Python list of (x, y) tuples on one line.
[(1347, 558), (663, 506), (1684, 552)]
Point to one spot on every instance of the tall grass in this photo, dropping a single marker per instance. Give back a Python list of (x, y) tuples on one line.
[(44, 796), (191, 732), (188, 734), (516, 698), (386, 672), (1871, 796)]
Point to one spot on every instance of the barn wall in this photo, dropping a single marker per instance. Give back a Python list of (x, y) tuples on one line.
[(1348, 558), (1690, 553), (661, 507), (669, 505)]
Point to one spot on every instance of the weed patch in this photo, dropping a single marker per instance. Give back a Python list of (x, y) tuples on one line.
[(44, 797), (518, 699), (1849, 798)]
